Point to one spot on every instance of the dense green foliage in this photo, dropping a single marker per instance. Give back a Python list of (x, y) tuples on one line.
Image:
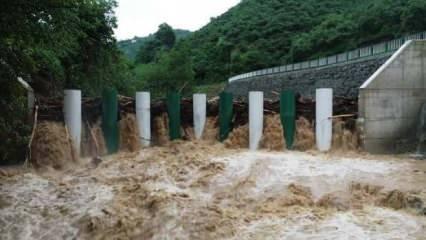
[(53, 44), (264, 33), (164, 39), (164, 65), (131, 47), (258, 34)]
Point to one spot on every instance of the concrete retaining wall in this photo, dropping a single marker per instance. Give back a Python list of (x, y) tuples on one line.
[(390, 101), (344, 78)]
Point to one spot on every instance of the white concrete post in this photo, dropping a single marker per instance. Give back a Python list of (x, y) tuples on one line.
[(143, 116), (199, 107), (324, 112), (30, 97), (255, 119), (72, 116)]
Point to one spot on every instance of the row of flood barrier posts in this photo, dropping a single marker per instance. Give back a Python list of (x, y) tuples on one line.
[(323, 127)]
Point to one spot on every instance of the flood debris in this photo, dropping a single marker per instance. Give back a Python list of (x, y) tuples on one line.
[(52, 147), (93, 144), (129, 134), (344, 139), (160, 130), (305, 136), (211, 130), (273, 134), (238, 138)]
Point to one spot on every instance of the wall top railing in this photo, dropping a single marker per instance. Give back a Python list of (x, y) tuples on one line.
[(359, 53)]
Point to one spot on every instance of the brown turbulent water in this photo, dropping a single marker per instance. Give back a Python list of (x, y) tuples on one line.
[(199, 190)]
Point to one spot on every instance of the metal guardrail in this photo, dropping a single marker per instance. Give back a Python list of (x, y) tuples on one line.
[(359, 53)]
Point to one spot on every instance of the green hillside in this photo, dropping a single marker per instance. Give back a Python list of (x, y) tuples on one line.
[(131, 47), (263, 33)]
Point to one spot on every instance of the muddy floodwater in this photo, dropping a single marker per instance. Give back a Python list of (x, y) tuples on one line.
[(194, 190)]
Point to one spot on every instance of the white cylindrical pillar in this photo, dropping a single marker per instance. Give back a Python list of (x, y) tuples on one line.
[(324, 113), (199, 107), (255, 119), (143, 116), (72, 116)]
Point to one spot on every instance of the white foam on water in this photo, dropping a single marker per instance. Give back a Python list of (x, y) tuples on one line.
[(371, 223), (272, 172), (40, 209)]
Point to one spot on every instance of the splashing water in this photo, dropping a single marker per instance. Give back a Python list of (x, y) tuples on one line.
[(189, 191), (41, 209)]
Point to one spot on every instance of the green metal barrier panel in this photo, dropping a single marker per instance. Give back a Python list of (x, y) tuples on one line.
[(288, 116), (110, 119), (225, 115), (173, 109)]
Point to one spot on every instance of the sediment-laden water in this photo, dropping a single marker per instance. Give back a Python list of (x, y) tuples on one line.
[(194, 190)]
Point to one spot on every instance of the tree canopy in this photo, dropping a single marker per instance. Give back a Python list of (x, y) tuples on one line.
[(165, 36), (131, 47), (164, 40), (163, 64), (53, 44)]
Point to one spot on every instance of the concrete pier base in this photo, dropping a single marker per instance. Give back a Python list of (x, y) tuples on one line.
[(391, 99)]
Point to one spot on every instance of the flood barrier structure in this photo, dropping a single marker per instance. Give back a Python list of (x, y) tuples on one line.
[(199, 108), (238, 114), (72, 116), (288, 116), (255, 119), (323, 122), (110, 119), (225, 115), (143, 116), (173, 110)]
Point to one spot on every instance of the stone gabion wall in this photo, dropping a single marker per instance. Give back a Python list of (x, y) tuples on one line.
[(345, 79)]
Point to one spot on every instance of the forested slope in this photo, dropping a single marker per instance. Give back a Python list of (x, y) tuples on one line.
[(262, 33), (131, 47)]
